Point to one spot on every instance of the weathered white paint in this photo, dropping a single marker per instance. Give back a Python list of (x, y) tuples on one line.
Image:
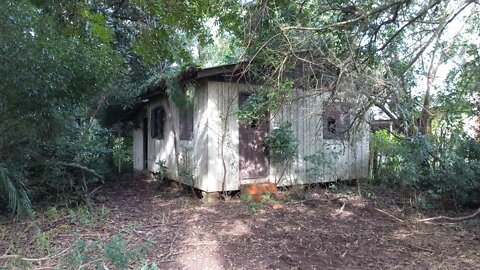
[(138, 148), (212, 156), (192, 155), (340, 159), (223, 158)]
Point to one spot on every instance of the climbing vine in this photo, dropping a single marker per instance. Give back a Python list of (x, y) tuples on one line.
[(264, 100), (179, 84)]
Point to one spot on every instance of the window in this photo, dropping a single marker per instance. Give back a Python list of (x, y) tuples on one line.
[(157, 123), (186, 124), (336, 120)]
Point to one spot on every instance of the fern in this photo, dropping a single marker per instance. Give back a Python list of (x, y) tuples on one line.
[(13, 185)]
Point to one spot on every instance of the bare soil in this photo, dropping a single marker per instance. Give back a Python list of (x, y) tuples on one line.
[(313, 230)]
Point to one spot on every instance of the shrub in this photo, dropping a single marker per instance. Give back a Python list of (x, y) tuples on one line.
[(282, 144), (445, 170)]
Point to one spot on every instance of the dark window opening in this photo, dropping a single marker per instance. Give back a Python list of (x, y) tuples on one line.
[(157, 123), (186, 125), (254, 123), (336, 120), (331, 125)]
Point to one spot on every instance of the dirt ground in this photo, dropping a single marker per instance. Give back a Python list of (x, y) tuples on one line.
[(316, 230)]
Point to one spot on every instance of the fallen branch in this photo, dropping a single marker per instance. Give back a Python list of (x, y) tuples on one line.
[(170, 250), (476, 213), (388, 214), (80, 167), (340, 210), (338, 198), (420, 248), (19, 257), (83, 266)]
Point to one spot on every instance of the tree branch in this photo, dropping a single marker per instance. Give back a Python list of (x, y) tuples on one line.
[(476, 213), (342, 23), (414, 19)]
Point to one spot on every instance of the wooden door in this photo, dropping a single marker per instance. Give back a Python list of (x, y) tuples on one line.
[(254, 161)]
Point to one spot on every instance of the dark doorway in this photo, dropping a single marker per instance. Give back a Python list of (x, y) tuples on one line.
[(145, 143), (254, 162)]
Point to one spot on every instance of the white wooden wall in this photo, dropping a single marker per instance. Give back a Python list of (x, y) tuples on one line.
[(339, 159), (223, 136), (191, 154), (211, 149), (138, 147)]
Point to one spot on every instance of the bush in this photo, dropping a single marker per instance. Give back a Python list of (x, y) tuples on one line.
[(122, 153), (282, 144), (445, 170)]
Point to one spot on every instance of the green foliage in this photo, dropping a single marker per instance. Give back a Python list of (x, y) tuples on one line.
[(161, 173), (49, 142), (82, 216), (254, 109), (115, 251), (244, 197), (80, 254), (149, 266), (133, 226), (98, 26), (13, 186), (440, 169), (186, 174), (63, 62), (53, 213), (43, 241), (179, 26), (122, 153), (264, 101), (254, 206), (178, 83), (282, 144)]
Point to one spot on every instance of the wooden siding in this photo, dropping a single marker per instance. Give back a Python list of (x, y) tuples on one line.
[(215, 142), (192, 154), (320, 160), (223, 136), (138, 147)]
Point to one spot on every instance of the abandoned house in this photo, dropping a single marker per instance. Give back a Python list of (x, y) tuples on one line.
[(209, 148)]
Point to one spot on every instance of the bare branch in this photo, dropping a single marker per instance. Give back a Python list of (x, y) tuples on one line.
[(343, 23)]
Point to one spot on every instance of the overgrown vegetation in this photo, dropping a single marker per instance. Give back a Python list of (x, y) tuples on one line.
[(264, 101), (50, 142), (161, 173), (282, 146), (430, 169), (387, 56), (63, 64)]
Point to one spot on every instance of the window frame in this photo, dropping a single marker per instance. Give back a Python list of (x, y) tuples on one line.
[(186, 123), (339, 112), (157, 122)]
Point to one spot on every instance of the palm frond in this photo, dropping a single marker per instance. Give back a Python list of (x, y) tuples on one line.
[(13, 188)]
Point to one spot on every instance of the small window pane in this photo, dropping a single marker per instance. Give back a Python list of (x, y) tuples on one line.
[(336, 120), (186, 125), (157, 123)]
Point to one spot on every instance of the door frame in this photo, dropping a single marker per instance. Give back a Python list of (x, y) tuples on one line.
[(145, 143), (248, 131)]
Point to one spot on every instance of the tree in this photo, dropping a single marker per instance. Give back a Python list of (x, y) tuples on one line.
[(388, 55), (378, 47), (50, 81), (63, 62)]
